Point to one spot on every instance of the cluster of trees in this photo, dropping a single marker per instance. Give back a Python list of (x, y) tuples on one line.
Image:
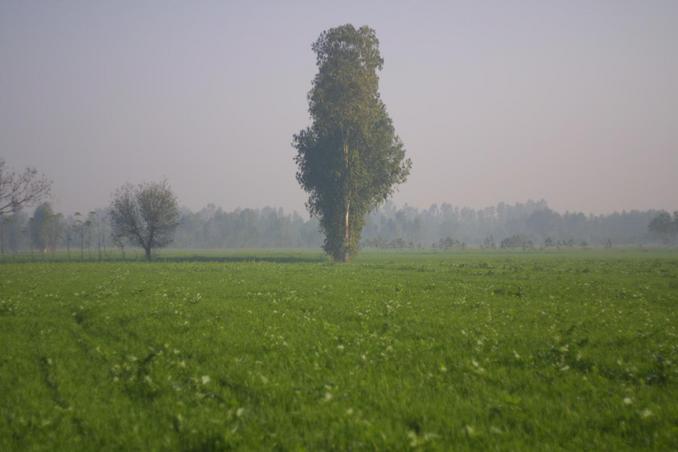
[(520, 223), (46, 231), (144, 215), (20, 189), (212, 227), (664, 228)]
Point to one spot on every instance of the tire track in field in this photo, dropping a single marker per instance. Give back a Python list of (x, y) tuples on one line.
[(44, 364), (49, 379)]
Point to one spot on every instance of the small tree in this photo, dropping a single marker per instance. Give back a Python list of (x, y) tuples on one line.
[(146, 214)]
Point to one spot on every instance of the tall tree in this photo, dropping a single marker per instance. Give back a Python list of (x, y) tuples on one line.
[(350, 159), (146, 214)]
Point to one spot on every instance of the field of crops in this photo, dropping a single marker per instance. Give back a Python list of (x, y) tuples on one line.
[(284, 350)]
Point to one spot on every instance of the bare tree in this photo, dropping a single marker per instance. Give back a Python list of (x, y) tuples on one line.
[(20, 189), (146, 214)]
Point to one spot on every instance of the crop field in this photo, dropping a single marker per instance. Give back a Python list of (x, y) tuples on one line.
[(394, 351)]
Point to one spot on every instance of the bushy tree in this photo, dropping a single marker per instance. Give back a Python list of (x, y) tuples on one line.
[(145, 214), (350, 159)]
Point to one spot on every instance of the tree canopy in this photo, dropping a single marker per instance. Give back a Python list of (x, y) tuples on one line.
[(350, 159)]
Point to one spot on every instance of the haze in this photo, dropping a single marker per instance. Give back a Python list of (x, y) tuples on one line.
[(574, 101)]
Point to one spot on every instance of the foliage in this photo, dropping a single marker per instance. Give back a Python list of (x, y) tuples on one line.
[(474, 351), (349, 160), (145, 214)]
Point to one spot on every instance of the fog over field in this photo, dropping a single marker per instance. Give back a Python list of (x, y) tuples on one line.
[(572, 102), (356, 225)]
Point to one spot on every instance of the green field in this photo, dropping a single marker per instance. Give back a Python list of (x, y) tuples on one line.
[(283, 350)]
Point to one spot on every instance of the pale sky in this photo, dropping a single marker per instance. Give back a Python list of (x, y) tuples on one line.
[(575, 102)]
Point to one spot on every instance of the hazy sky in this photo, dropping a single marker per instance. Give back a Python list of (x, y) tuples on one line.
[(575, 102)]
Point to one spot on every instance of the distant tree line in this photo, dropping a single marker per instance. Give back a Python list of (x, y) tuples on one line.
[(212, 227), (663, 227), (521, 226)]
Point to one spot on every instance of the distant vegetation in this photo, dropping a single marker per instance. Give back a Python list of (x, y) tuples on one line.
[(530, 225), (665, 228)]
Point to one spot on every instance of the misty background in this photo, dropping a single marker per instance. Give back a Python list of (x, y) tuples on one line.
[(527, 226), (497, 102)]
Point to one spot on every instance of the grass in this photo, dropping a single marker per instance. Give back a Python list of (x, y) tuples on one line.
[(398, 350)]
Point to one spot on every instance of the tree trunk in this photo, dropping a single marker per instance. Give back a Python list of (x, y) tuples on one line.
[(347, 232), (347, 206), (147, 251)]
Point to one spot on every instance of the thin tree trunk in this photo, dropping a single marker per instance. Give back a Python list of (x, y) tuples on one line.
[(347, 206), (148, 253), (2, 235), (347, 231)]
